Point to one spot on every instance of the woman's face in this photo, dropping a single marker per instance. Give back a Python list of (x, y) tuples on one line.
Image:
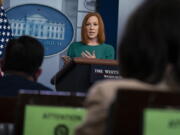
[(92, 27)]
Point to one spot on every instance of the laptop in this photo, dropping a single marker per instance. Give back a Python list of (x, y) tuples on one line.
[(49, 113), (138, 112)]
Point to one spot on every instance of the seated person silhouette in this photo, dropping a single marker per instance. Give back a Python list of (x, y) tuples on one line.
[(21, 66)]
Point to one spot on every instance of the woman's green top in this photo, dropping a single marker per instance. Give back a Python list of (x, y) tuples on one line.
[(102, 51)]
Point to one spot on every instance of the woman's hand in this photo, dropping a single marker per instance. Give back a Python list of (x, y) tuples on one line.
[(66, 59), (86, 54)]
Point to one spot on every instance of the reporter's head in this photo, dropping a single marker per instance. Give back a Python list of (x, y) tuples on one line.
[(151, 41), (24, 54)]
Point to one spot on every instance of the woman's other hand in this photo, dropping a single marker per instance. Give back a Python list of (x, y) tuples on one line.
[(66, 59)]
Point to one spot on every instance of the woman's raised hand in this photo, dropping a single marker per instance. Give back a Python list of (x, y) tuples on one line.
[(87, 54)]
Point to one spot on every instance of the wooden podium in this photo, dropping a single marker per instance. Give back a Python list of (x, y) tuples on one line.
[(81, 73)]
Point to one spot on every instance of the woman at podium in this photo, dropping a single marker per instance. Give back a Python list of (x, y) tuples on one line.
[(93, 40)]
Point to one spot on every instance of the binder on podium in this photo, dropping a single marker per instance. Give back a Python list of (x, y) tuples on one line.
[(81, 73)]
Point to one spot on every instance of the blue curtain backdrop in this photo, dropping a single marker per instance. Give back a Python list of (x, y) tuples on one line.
[(109, 12)]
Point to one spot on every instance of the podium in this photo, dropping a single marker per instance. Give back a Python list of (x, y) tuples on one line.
[(81, 73)]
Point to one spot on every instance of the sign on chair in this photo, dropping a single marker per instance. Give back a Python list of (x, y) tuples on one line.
[(144, 112), (49, 113), (161, 122)]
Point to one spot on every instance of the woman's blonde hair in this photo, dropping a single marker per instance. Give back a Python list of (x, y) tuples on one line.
[(101, 33)]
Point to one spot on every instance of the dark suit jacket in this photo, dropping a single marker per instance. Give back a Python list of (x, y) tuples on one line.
[(11, 84)]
